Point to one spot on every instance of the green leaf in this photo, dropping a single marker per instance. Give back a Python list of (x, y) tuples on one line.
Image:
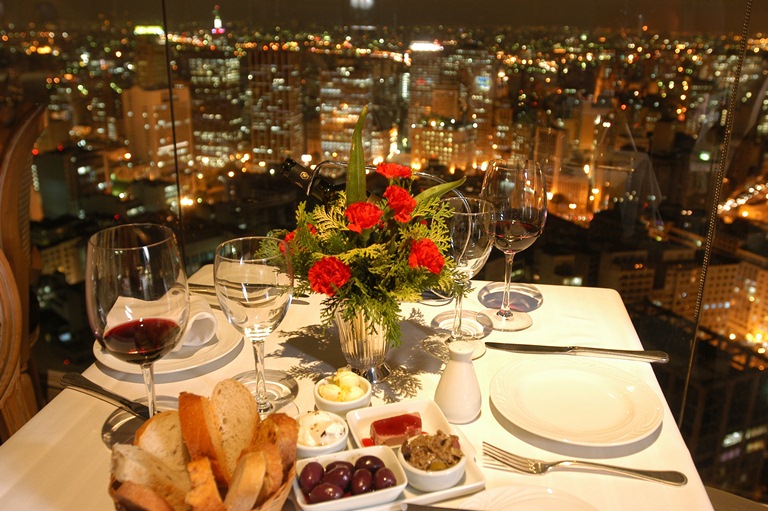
[(356, 165), (437, 191)]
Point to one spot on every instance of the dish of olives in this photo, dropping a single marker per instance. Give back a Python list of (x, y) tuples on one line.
[(349, 480)]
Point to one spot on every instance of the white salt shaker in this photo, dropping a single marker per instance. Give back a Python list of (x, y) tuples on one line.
[(458, 391)]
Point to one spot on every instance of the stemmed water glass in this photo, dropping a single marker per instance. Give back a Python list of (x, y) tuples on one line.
[(254, 285), (517, 190), (137, 301), (471, 241)]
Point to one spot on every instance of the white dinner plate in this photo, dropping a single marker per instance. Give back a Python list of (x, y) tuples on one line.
[(576, 401), (525, 498), (225, 340)]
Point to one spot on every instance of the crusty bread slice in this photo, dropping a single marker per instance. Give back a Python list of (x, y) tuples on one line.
[(282, 431), (247, 481), (132, 464), (273, 472), (138, 497), (201, 433), (237, 416), (161, 437), (204, 495)]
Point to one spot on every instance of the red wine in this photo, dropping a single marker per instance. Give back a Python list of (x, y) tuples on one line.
[(514, 236), (142, 341)]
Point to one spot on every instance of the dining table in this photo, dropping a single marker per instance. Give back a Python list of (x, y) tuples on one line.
[(57, 461)]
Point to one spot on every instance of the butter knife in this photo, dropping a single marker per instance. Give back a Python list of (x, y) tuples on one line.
[(419, 507), (80, 383), (641, 355)]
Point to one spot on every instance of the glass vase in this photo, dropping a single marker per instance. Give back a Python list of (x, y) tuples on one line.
[(364, 349)]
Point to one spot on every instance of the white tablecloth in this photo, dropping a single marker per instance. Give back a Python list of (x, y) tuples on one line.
[(58, 461)]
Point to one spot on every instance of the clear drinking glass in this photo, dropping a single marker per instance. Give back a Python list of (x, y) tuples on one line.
[(136, 297), (517, 190), (471, 238), (254, 285)]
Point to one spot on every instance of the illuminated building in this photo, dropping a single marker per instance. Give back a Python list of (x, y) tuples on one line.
[(149, 131), (274, 81), (445, 143), (344, 91), (217, 107)]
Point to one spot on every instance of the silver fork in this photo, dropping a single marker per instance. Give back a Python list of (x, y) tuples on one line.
[(533, 466)]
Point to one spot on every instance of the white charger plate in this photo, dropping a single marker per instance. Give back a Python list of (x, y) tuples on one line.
[(187, 357), (576, 401), (525, 498)]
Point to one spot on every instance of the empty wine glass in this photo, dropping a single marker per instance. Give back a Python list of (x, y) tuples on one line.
[(137, 302), (253, 278), (517, 190), (471, 241)]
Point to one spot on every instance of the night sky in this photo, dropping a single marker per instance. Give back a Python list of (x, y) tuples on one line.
[(714, 16)]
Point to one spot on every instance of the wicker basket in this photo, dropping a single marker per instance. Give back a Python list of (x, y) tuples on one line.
[(274, 503)]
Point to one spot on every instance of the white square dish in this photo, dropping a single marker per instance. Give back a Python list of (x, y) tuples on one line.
[(365, 500), (432, 419)]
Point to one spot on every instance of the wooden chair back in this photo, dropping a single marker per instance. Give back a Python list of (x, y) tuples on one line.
[(17, 140), (17, 396)]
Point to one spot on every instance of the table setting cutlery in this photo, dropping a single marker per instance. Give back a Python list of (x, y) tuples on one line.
[(639, 355), (420, 507), (506, 460), (77, 381)]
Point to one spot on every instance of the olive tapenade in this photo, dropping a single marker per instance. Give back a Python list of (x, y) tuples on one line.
[(432, 452)]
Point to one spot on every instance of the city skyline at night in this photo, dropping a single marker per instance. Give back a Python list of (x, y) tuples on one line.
[(686, 16), (627, 119)]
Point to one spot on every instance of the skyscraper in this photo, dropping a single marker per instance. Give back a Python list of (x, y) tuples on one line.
[(276, 120)]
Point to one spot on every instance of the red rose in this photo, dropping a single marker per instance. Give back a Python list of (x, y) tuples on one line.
[(362, 215), (328, 275), (424, 254), (401, 202), (393, 170)]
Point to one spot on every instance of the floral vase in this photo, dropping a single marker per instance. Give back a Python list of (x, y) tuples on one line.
[(364, 351)]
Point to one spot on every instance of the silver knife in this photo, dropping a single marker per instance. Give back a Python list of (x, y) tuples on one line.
[(418, 507), (79, 382), (642, 355)]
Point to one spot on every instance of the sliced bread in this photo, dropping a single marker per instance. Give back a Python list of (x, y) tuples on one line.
[(204, 495), (200, 430), (237, 417), (132, 464), (161, 437), (131, 496), (282, 431), (247, 482)]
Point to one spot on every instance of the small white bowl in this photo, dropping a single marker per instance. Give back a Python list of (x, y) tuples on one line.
[(342, 407), (432, 480), (304, 449)]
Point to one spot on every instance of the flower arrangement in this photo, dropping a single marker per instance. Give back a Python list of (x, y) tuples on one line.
[(371, 256)]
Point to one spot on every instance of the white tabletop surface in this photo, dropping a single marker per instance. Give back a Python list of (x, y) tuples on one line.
[(58, 461)]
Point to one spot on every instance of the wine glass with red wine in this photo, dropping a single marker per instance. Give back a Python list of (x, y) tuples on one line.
[(517, 190), (136, 295)]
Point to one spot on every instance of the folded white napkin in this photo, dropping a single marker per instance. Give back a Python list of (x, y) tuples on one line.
[(201, 323)]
